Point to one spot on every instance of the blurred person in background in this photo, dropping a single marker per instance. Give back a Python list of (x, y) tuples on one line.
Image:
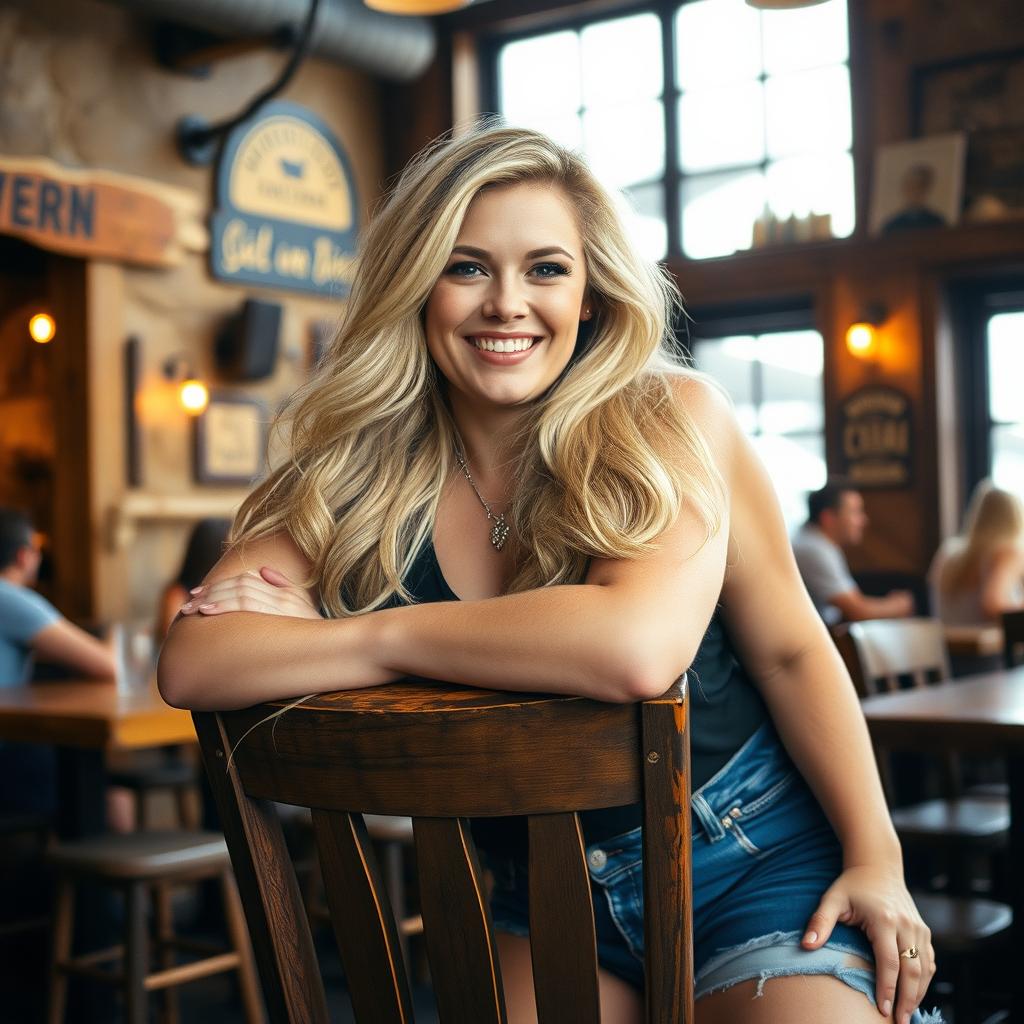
[(836, 519), (30, 626), (979, 574), (206, 543)]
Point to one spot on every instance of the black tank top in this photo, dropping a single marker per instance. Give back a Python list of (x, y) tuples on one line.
[(725, 710)]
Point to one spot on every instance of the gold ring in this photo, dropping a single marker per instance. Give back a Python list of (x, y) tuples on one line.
[(910, 953)]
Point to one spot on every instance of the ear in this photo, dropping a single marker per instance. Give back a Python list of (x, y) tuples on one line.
[(586, 309)]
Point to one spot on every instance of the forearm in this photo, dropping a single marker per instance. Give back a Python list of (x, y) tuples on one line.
[(815, 710)]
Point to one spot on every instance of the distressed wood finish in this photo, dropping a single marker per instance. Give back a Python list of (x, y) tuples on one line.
[(277, 922), (563, 944), (363, 919), (668, 919), (457, 924), (442, 754)]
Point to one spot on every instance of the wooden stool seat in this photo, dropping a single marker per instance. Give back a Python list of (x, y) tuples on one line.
[(960, 925), (956, 820), (143, 855), (176, 774), (159, 776)]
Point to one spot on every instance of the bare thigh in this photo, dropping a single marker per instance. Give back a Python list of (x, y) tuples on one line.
[(620, 1002), (799, 999)]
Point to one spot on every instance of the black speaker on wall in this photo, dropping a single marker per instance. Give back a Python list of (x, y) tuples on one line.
[(246, 348)]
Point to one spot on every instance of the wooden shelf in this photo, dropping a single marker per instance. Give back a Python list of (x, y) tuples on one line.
[(139, 507), (801, 267)]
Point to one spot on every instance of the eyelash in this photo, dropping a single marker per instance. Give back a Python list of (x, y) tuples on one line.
[(555, 270)]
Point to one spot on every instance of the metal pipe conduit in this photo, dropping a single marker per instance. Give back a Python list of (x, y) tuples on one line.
[(346, 31)]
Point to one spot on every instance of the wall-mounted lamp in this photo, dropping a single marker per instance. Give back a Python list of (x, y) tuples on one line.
[(416, 6), (862, 336), (193, 394), (42, 327)]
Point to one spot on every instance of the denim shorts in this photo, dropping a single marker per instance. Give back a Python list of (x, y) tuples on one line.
[(763, 856)]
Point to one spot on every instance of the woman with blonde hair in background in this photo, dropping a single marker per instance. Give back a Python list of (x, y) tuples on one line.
[(500, 476), (979, 574)]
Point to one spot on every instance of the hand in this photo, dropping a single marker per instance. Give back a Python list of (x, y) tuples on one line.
[(876, 899), (903, 601), (267, 592)]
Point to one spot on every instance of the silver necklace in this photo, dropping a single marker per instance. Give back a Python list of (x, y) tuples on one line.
[(499, 531)]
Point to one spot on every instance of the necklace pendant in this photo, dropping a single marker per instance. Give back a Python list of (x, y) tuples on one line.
[(499, 532)]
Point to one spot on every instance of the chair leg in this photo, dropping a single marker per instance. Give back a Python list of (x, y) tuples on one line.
[(394, 874), (238, 935), (188, 818), (141, 810), (164, 938), (136, 955), (63, 925)]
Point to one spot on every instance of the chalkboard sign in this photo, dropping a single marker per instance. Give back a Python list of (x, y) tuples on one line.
[(287, 211), (876, 433)]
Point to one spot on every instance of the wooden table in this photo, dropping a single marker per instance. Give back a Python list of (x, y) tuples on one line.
[(984, 713), (84, 719)]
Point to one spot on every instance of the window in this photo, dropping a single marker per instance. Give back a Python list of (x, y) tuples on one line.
[(1004, 345), (775, 381), (706, 115)]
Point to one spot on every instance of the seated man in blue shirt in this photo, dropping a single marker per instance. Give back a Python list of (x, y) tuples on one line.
[(30, 625)]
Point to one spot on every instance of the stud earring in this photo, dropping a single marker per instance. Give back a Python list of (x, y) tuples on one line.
[(586, 313)]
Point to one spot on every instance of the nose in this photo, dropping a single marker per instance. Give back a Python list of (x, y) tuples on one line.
[(505, 299)]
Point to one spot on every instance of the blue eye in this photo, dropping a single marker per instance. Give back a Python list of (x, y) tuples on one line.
[(464, 269), (550, 269)]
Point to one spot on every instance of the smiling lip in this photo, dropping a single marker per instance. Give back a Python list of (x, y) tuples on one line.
[(503, 358)]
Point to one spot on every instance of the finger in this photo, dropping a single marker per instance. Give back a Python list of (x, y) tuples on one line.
[(823, 920), (887, 969), (927, 971), (278, 579), (909, 984)]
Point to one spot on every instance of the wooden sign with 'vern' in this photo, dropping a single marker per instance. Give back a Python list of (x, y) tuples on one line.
[(98, 214)]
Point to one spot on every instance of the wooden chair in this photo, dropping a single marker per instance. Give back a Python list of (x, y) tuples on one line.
[(441, 755), (1013, 638), (143, 864)]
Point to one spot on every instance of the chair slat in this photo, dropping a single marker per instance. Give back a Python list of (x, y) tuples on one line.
[(277, 922), (457, 924), (563, 944), (364, 924), (668, 924)]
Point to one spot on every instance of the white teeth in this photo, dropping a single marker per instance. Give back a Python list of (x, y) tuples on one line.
[(498, 345)]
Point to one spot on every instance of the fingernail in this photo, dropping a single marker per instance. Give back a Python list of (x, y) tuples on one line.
[(207, 607), (187, 607), (811, 937), (886, 1007), (195, 590)]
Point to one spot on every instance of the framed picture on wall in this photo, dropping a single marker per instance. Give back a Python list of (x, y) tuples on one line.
[(231, 440), (918, 184)]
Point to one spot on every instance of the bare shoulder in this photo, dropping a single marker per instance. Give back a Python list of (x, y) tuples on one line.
[(712, 413), (276, 550)]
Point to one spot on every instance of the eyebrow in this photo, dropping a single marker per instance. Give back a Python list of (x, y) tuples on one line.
[(533, 254)]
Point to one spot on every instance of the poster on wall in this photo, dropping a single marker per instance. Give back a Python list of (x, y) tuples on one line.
[(877, 438), (287, 211)]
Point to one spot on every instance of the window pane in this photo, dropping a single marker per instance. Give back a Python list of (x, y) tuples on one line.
[(791, 368), (718, 212), (540, 75), (796, 466), (814, 184), (564, 128), (622, 59), (721, 127), (729, 362), (809, 111), (1008, 458), (806, 38), (717, 41), (625, 144), (644, 215), (1006, 366)]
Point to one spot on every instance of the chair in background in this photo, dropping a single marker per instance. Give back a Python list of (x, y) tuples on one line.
[(143, 864), (1013, 639), (429, 752)]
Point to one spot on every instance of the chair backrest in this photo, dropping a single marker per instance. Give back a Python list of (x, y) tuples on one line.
[(888, 649), (1013, 638), (443, 755)]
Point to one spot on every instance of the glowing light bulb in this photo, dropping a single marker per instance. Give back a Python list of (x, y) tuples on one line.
[(42, 328), (194, 396), (861, 340)]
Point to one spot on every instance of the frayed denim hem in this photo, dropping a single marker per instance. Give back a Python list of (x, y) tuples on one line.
[(779, 955)]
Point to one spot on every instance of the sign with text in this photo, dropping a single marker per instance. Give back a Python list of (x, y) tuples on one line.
[(877, 437), (287, 211), (97, 214)]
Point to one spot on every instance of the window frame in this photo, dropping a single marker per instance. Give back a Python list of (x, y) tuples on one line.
[(491, 40)]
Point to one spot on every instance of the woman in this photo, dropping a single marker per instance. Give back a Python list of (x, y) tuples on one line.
[(206, 543), (978, 575), (500, 478)]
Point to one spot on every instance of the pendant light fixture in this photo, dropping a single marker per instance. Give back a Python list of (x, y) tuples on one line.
[(783, 5), (416, 6)]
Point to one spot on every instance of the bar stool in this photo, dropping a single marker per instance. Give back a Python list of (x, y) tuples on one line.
[(139, 863), (175, 773)]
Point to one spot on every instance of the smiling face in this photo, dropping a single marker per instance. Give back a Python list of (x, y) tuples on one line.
[(502, 318)]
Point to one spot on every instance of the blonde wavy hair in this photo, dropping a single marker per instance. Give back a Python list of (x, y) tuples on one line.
[(994, 521), (603, 463)]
